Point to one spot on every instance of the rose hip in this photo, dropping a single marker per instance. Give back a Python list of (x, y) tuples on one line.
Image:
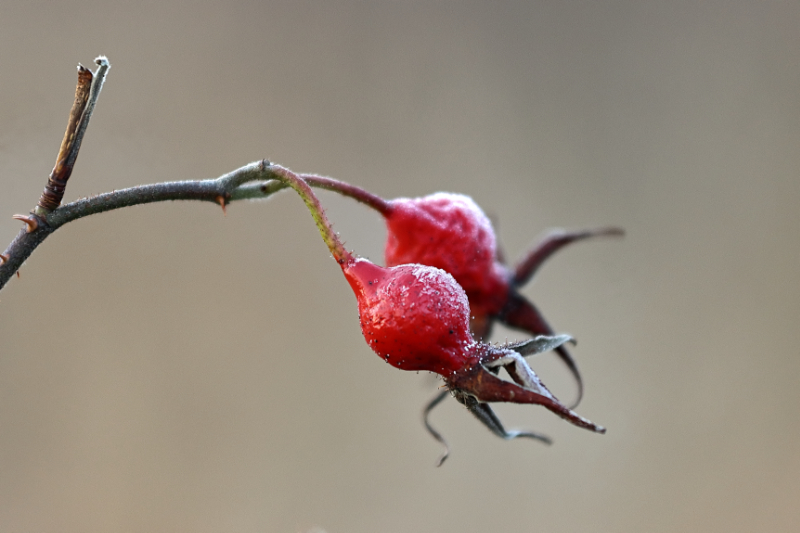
[(416, 317), (413, 316), (449, 231)]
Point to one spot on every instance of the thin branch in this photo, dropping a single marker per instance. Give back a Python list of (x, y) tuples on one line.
[(206, 190), (86, 94), (49, 215), (54, 190), (257, 180)]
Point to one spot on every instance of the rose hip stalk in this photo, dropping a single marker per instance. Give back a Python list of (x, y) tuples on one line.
[(416, 317), (451, 232)]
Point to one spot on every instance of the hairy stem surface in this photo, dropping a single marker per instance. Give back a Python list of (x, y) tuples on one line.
[(312, 202)]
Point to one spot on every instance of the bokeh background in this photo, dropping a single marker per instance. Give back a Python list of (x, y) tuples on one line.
[(168, 368)]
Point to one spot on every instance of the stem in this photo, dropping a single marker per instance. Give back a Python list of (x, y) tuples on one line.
[(206, 190), (54, 190), (384, 207), (263, 190), (340, 254), (86, 94), (256, 180), (49, 214)]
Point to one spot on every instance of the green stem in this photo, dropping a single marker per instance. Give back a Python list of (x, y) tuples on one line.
[(340, 254)]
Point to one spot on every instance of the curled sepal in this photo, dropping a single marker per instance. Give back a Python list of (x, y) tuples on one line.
[(521, 314), (484, 386), (434, 433), (485, 416), (484, 413), (539, 344), (527, 266)]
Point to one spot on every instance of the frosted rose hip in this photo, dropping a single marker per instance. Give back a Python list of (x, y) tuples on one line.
[(449, 231), (415, 317)]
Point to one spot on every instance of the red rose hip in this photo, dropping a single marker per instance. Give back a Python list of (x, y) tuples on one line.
[(451, 232), (416, 317)]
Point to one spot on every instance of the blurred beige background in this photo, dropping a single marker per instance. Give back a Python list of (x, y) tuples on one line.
[(165, 368)]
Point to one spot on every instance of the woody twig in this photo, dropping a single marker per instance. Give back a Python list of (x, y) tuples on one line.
[(254, 181)]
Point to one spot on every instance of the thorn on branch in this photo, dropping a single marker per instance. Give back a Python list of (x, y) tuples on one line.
[(3, 259), (221, 202), (29, 220)]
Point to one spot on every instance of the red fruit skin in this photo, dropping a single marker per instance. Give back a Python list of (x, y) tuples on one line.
[(449, 231), (415, 317)]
